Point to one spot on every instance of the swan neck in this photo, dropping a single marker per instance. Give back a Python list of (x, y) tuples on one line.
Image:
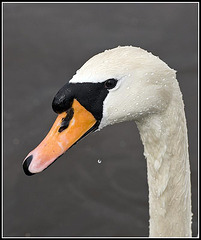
[(164, 137)]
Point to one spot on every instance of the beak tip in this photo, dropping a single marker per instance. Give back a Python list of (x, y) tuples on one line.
[(26, 164)]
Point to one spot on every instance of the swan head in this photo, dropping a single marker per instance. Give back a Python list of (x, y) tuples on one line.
[(121, 84)]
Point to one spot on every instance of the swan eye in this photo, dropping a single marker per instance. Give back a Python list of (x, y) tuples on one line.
[(110, 83)]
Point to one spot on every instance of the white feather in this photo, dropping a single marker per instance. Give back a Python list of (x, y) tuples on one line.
[(148, 92)]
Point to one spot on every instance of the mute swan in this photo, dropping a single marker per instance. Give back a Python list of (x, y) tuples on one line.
[(121, 84)]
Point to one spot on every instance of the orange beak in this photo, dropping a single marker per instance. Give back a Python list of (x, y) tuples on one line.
[(68, 128)]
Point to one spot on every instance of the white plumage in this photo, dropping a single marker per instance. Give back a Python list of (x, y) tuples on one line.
[(148, 93)]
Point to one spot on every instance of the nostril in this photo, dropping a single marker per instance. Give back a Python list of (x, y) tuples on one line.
[(66, 121), (26, 164)]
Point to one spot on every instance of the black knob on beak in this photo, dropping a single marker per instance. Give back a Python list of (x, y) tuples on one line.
[(63, 99)]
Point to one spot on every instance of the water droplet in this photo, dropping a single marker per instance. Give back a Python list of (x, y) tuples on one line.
[(128, 88), (99, 161), (116, 110), (136, 103), (152, 73), (128, 114)]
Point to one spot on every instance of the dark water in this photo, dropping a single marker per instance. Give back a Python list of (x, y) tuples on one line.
[(44, 44)]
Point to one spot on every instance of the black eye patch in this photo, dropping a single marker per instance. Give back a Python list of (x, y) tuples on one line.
[(90, 95)]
